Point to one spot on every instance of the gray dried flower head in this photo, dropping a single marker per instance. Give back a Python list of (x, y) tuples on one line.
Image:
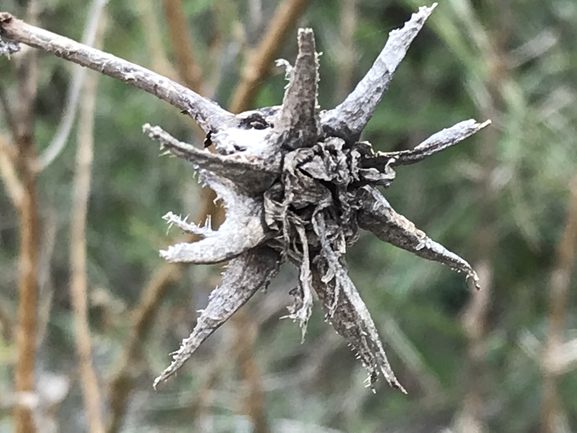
[(297, 185)]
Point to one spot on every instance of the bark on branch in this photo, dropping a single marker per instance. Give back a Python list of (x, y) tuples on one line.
[(205, 112)]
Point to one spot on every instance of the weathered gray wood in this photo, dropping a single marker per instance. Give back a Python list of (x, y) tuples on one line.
[(206, 112)]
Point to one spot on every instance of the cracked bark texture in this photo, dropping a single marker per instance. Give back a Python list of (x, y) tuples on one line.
[(296, 183)]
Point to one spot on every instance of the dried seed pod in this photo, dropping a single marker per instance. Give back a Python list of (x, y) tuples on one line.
[(297, 185)]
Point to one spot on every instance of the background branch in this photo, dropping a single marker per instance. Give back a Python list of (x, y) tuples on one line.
[(78, 280), (8, 114), (158, 58), (559, 295), (252, 398), (259, 62), (346, 55), (475, 314), (58, 142), (188, 69), (13, 186), (27, 72)]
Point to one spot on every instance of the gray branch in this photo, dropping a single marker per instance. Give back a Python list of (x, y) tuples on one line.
[(207, 113)]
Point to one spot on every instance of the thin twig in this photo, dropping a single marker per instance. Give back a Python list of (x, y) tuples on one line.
[(346, 53), (208, 114), (559, 292), (46, 251), (350, 117), (188, 69), (8, 114), (78, 280), (60, 138), (253, 400), (152, 36), (259, 62)]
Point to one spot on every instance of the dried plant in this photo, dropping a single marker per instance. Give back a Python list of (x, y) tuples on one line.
[(296, 183)]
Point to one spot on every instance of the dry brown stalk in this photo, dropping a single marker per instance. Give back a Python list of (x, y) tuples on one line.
[(78, 280), (258, 62), (559, 292), (153, 38), (27, 72), (346, 55), (252, 399), (475, 313), (28, 279), (188, 69)]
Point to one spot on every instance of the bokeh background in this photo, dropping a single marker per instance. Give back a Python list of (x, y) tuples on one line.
[(499, 360)]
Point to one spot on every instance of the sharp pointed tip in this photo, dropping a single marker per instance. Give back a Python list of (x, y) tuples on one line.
[(397, 385), (474, 279), (156, 382)]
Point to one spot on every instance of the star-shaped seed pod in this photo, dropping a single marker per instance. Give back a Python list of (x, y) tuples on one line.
[(297, 185)]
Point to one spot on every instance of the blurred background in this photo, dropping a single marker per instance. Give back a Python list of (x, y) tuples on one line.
[(83, 193)]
